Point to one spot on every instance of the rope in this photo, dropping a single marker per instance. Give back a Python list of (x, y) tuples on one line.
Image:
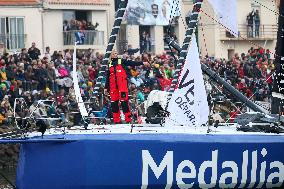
[(246, 39), (202, 30), (276, 13), (170, 25), (8, 180), (238, 109)]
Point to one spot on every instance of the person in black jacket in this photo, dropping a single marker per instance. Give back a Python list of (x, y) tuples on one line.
[(250, 24), (131, 51), (34, 52)]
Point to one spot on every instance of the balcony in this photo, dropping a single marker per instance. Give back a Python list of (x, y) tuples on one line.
[(266, 32), (13, 41), (92, 37)]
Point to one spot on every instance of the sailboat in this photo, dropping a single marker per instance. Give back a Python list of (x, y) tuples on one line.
[(144, 156)]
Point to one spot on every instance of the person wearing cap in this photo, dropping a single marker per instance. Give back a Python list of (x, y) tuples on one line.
[(117, 85)]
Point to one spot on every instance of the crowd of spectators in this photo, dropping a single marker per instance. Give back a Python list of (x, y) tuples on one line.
[(78, 25), (78, 28), (250, 73), (35, 76)]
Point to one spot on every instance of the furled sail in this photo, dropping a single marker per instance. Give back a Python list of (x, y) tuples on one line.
[(79, 99)]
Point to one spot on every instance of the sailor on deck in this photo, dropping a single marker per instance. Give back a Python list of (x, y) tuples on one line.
[(117, 84)]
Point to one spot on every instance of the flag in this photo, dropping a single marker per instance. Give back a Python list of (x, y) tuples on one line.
[(227, 13), (188, 105)]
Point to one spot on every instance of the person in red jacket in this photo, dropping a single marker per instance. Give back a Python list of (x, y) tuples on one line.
[(117, 85)]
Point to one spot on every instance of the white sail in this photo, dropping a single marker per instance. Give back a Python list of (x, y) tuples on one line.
[(79, 99), (227, 13), (188, 105)]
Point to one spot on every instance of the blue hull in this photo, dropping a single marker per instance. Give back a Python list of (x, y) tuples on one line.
[(130, 161)]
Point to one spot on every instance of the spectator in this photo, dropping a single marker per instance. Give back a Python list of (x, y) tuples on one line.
[(143, 42), (66, 26), (148, 42), (41, 76), (131, 51), (47, 54), (256, 23), (51, 77), (24, 55), (73, 25), (250, 24), (90, 26), (34, 52)]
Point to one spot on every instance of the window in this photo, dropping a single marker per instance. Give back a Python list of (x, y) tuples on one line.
[(71, 18), (68, 15), (12, 32), (77, 15)]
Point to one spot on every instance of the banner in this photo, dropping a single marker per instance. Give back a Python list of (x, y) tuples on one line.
[(188, 105), (227, 13), (152, 12), (152, 161)]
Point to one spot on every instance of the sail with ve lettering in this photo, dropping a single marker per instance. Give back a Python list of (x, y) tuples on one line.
[(188, 105)]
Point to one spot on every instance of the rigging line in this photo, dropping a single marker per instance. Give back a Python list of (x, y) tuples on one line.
[(255, 44), (179, 11), (211, 79), (168, 31), (249, 98), (182, 19), (171, 18), (8, 180), (183, 22), (276, 13), (202, 30), (216, 87), (171, 14), (273, 3), (201, 25)]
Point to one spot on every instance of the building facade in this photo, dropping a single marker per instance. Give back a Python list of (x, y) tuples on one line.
[(213, 39), (20, 23), (44, 22), (47, 23)]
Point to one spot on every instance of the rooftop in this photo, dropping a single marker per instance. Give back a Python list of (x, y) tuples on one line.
[(79, 2), (18, 2)]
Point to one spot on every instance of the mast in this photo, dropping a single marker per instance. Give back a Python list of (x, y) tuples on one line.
[(115, 29), (278, 83), (183, 53)]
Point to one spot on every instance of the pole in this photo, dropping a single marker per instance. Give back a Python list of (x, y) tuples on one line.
[(183, 52), (278, 83), (220, 80), (111, 42)]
